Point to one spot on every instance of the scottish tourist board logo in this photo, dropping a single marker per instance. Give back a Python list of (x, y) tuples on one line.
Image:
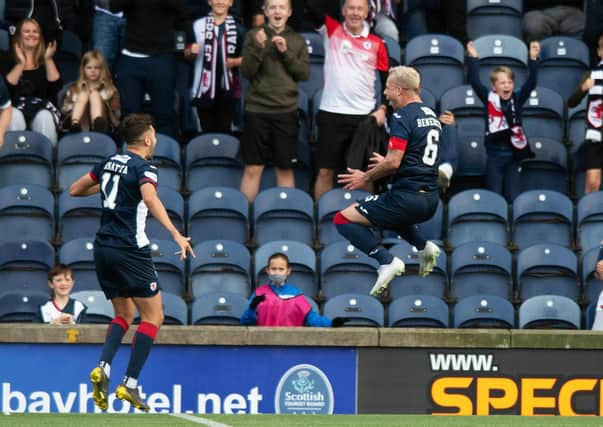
[(304, 389)]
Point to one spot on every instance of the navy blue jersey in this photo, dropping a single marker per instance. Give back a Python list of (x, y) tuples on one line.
[(416, 130), (124, 212)]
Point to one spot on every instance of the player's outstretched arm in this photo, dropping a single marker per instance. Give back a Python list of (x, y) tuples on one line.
[(151, 199), (84, 186)]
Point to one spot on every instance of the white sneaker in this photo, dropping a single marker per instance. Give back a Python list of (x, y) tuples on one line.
[(386, 274), (428, 258)]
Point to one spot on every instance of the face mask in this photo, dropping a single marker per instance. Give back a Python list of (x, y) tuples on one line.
[(277, 279)]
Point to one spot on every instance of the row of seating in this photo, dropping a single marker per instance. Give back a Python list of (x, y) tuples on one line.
[(424, 311)]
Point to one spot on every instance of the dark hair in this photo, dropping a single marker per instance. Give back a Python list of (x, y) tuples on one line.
[(278, 255), (57, 270), (134, 126)]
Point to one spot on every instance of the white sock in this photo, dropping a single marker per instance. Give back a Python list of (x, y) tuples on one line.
[(106, 367), (131, 382)]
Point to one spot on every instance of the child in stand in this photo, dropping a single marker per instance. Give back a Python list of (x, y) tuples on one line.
[(61, 309), (92, 102), (278, 303)]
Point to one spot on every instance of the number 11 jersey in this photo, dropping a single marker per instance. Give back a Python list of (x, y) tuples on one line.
[(124, 213)]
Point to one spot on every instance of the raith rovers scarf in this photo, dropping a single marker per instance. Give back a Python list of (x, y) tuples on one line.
[(594, 106), (498, 121)]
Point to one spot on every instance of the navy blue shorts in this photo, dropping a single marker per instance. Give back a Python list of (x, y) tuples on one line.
[(396, 210), (125, 272)]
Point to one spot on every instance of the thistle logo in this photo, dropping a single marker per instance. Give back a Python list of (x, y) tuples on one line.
[(304, 389)]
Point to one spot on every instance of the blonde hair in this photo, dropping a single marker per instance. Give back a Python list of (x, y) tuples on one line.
[(406, 77), (501, 69), (40, 50), (104, 79), (268, 1)]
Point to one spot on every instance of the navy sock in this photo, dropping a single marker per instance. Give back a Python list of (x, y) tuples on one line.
[(115, 332), (600, 254), (141, 347), (361, 237)]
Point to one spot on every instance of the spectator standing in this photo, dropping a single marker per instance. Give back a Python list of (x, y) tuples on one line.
[(108, 32), (545, 18)]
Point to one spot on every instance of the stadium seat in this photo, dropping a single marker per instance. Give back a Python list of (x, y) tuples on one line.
[(549, 312), (576, 128), (26, 158), (283, 213), (430, 229), (170, 268), (345, 269), (316, 80), (494, 17), (418, 311), (24, 266), (394, 52), (547, 269), (78, 216), (481, 268), (167, 158), (592, 285), (542, 216), (26, 213), (77, 153), (18, 307), (302, 169), (316, 48), (589, 220), (589, 315), (328, 205), (174, 205), (302, 261), (218, 213), (212, 158), (220, 265), (547, 170), (477, 215), (175, 310), (428, 98), (78, 254), (218, 308), (562, 56), (499, 49), (439, 59), (410, 283), (99, 308), (68, 56), (543, 115), (359, 309), (484, 311)]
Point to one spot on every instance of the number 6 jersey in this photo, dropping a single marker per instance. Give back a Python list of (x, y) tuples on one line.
[(416, 130), (124, 212)]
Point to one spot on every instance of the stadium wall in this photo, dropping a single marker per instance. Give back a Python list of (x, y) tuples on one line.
[(213, 369)]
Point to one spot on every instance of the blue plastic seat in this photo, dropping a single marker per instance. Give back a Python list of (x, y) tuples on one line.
[(439, 59), (283, 213), (410, 283), (394, 52), (218, 308), (302, 261), (328, 205), (481, 268), (174, 205), (547, 170), (26, 158), (211, 158), (562, 56), (494, 17), (547, 269), (99, 308), (477, 215), (543, 114), (78, 153), (24, 266), (542, 216), (21, 307), (549, 312), (484, 311), (589, 220), (175, 310), (218, 213), (345, 269), (500, 49), (418, 311), (220, 265), (592, 285), (170, 268), (168, 159), (359, 309), (78, 254), (26, 213), (315, 44), (78, 216), (316, 80)]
